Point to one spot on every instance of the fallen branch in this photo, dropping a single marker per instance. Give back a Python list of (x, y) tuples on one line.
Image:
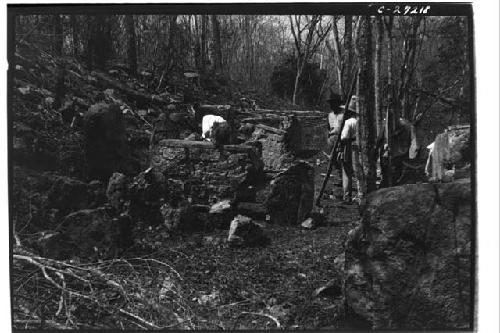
[(139, 319), (99, 286), (270, 129), (49, 323), (276, 321), (107, 82), (140, 117), (414, 167)]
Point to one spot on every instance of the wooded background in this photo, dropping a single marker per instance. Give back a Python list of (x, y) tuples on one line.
[(425, 59), (416, 68)]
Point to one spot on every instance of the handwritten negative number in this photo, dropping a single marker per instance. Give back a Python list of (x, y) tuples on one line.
[(407, 10)]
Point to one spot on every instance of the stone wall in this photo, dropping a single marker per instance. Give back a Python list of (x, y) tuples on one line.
[(286, 135), (313, 134), (408, 265), (279, 137), (276, 153), (207, 174), (291, 197)]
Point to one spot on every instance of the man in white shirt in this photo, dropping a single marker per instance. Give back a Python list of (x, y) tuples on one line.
[(335, 118), (349, 153), (207, 125), (215, 129)]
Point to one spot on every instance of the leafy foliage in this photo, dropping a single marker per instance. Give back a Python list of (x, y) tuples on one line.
[(283, 79)]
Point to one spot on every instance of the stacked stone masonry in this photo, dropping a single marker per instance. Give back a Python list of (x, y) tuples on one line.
[(208, 174), (285, 137)]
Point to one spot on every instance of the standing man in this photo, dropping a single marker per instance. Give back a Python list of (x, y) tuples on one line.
[(348, 155), (335, 118)]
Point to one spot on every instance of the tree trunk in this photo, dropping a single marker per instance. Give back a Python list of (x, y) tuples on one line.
[(248, 48), (74, 34), (408, 67), (99, 41), (90, 43), (339, 61), (18, 23), (172, 47), (366, 130), (348, 49), (296, 84), (58, 36), (131, 50), (58, 51), (377, 71), (463, 93), (216, 45), (389, 118), (197, 44), (204, 43)]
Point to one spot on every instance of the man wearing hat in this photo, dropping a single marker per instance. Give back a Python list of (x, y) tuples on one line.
[(335, 118), (348, 155)]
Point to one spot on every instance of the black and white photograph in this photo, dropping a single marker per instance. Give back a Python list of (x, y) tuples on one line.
[(242, 166)]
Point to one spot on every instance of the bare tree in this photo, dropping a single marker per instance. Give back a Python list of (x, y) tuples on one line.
[(378, 75), (172, 47), (58, 36), (131, 49), (348, 49), (249, 23), (74, 34), (216, 46), (203, 42), (342, 54), (411, 46), (366, 130), (308, 36), (390, 116)]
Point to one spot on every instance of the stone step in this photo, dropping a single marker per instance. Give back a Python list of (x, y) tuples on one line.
[(256, 211)]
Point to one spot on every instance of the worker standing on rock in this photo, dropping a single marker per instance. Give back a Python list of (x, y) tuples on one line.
[(348, 155)]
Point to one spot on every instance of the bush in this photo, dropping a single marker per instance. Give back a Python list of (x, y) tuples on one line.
[(283, 80)]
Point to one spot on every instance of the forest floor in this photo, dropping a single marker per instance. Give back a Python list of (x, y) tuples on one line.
[(238, 288)]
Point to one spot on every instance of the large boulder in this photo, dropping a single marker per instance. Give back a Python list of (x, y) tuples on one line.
[(150, 202), (89, 234), (105, 142), (452, 154), (408, 265), (181, 218), (255, 210), (292, 193), (220, 215), (460, 147), (117, 190), (244, 232)]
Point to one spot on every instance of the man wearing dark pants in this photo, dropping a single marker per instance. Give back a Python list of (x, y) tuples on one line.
[(349, 151)]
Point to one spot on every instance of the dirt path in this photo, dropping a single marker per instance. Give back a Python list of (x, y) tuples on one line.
[(241, 286)]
